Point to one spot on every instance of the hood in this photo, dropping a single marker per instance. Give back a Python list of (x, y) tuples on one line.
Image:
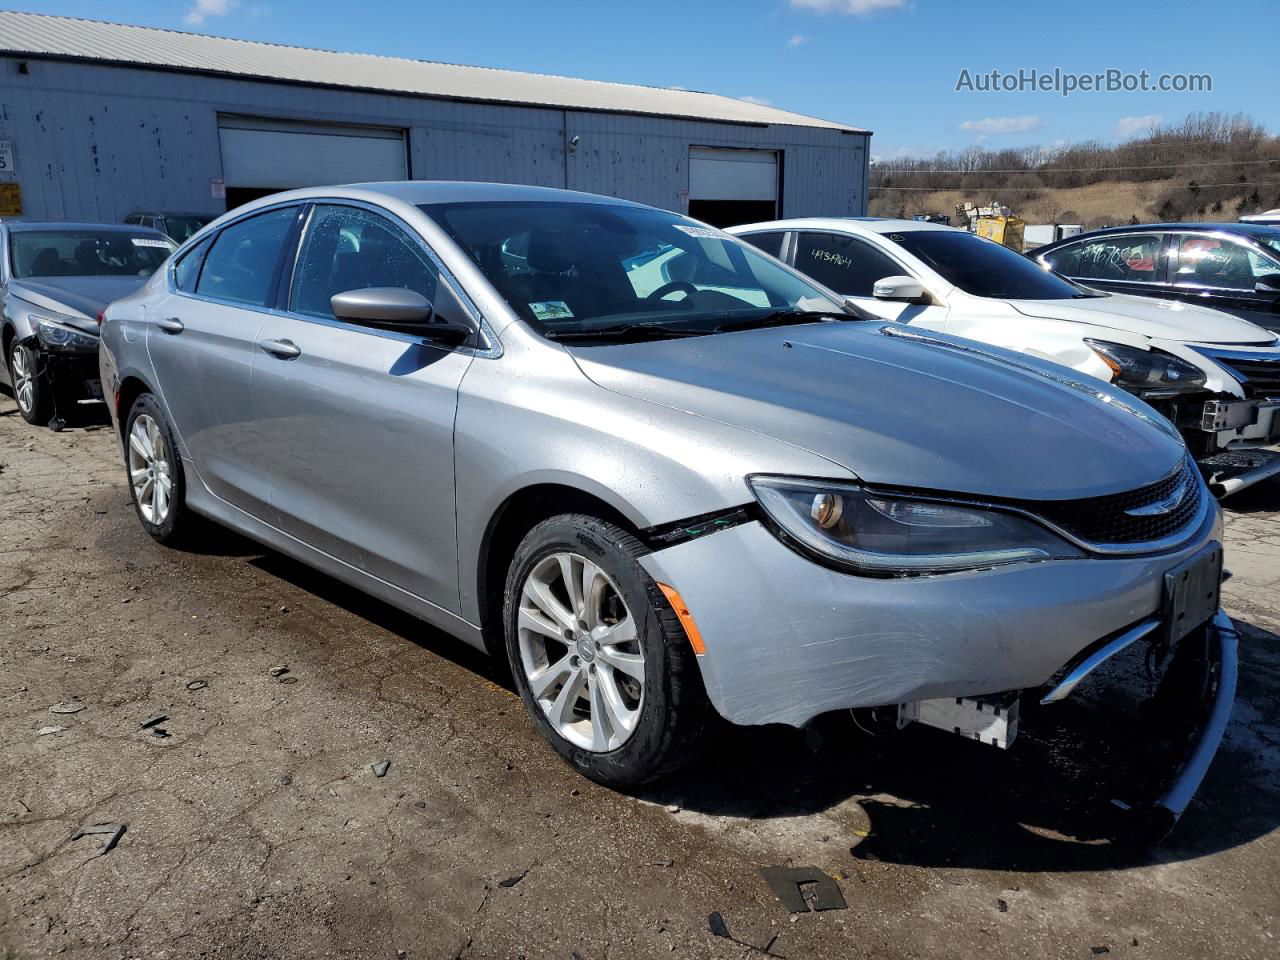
[(901, 411), (81, 298), (1150, 317)]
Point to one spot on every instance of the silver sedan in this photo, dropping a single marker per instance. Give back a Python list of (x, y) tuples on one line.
[(658, 471)]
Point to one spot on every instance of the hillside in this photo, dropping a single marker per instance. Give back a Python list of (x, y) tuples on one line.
[(1207, 167)]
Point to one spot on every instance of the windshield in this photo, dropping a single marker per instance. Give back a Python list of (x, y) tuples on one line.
[(86, 253), (568, 269), (985, 268), (181, 228)]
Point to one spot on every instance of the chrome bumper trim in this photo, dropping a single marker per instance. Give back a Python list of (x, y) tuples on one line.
[(1100, 656)]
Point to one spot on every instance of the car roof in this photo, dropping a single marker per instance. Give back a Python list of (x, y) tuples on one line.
[(461, 191), (845, 225), (151, 212), (22, 226), (1270, 231)]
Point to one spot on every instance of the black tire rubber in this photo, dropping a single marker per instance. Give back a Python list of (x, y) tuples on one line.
[(676, 707), (41, 411), (180, 525)]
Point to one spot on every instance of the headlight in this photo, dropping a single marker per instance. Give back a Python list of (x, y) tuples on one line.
[(897, 536), (56, 334), (1148, 373)]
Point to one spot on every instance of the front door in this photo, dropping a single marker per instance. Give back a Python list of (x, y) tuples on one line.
[(357, 422), (200, 340), (851, 267)]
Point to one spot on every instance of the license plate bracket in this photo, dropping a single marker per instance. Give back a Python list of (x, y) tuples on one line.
[(1192, 593)]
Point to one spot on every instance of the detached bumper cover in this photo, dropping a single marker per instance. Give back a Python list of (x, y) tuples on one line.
[(787, 639)]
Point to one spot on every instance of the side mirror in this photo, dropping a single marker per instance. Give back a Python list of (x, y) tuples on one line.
[(900, 288), (394, 308)]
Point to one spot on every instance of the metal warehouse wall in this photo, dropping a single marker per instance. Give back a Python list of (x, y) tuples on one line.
[(94, 142)]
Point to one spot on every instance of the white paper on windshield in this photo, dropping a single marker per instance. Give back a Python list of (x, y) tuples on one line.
[(148, 242), (551, 310), (706, 233)]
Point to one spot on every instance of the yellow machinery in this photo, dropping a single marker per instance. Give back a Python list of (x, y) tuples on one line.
[(1005, 230)]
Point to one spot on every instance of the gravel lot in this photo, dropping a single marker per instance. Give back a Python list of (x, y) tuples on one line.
[(256, 827)]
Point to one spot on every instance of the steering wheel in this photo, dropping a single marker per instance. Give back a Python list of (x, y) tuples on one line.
[(688, 288)]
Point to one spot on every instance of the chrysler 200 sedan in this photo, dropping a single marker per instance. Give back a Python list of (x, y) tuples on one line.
[(489, 406)]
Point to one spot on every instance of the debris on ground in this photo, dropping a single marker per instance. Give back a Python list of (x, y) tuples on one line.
[(155, 721), (513, 880), (380, 768), (801, 889), (1002, 906), (114, 832), (717, 926), (663, 862), (197, 684), (67, 707), (1099, 951), (45, 731), (279, 671)]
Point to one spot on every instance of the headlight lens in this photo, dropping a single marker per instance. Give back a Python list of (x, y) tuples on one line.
[(899, 536), (56, 334), (1148, 373)]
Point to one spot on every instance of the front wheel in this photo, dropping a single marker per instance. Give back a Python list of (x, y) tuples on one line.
[(31, 386), (599, 657)]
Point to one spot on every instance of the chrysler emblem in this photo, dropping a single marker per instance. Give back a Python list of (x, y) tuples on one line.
[(1161, 507)]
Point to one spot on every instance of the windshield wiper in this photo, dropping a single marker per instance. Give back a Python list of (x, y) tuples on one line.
[(783, 318), (625, 331)]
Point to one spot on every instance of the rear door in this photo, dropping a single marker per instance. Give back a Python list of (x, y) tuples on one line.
[(200, 340), (851, 267), (357, 423)]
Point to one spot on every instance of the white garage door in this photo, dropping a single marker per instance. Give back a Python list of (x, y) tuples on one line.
[(718, 174), (279, 154)]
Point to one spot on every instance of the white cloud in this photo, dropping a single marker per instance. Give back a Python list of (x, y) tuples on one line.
[(760, 101), (854, 8), (1133, 126), (797, 40), (999, 125), (202, 10)]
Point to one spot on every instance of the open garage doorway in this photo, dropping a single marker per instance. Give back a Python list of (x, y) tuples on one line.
[(261, 156), (728, 187)]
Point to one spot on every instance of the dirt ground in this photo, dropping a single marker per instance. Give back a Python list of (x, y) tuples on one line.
[(256, 827)]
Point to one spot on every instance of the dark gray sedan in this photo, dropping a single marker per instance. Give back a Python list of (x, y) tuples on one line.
[(55, 281)]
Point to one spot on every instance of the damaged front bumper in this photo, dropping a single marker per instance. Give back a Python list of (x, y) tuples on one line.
[(787, 639)]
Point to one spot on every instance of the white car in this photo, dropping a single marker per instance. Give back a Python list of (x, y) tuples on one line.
[(1216, 376)]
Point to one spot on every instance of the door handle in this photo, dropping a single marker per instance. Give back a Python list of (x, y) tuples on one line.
[(285, 349), (171, 325)]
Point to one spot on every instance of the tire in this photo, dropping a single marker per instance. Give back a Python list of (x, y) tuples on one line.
[(38, 409), (644, 735), (168, 521)]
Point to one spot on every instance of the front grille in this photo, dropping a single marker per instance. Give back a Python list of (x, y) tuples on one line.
[(1261, 377), (1103, 520)]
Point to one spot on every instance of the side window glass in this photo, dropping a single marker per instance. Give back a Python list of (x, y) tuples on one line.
[(1135, 258), (241, 265), (188, 268), (770, 243), (347, 248), (1205, 261), (846, 265), (1065, 260)]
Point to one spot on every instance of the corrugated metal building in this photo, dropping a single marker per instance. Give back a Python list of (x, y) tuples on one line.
[(99, 119)]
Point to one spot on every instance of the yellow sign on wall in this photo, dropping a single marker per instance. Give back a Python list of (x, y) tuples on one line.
[(10, 200)]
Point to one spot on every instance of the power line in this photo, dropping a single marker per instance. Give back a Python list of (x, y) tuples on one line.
[(1006, 186), (1039, 170)]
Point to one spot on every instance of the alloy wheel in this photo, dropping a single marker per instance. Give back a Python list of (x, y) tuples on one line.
[(580, 652), (24, 377), (150, 470)]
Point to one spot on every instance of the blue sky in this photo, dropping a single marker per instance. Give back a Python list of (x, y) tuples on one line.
[(887, 65)]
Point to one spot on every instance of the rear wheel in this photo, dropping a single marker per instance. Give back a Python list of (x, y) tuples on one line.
[(156, 478), (30, 384), (600, 659)]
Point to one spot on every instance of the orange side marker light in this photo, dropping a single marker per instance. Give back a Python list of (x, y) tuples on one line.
[(686, 618)]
